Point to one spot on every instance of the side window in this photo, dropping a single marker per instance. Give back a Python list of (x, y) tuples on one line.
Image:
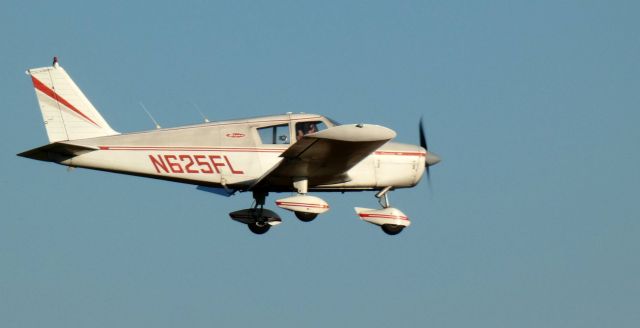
[(272, 135), (303, 128)]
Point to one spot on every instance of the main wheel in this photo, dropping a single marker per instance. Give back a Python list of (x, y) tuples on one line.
[(259, 228), (392, 229), (306, 217)]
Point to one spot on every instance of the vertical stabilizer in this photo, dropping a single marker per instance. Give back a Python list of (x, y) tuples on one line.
[(67, 113)]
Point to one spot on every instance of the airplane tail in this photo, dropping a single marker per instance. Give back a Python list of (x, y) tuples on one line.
[(67, 113)]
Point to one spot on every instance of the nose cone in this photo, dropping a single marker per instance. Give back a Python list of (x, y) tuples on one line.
[(432, 159)]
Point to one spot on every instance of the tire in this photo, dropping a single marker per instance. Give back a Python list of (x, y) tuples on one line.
[(259, 229), (392, 229), (306, 217)]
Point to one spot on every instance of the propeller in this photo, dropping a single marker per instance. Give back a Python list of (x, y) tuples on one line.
[(431, 158)]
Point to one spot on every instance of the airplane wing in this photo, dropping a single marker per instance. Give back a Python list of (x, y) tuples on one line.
[(325, 157)]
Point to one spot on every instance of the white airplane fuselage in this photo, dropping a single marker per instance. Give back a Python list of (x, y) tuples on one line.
[(280, 153), (231, 154)]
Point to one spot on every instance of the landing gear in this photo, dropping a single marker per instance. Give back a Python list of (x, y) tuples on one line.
[(391, 220), (392, 229), (259, 225), (305, 207), (259, 228), (258, 219), (306, 217), (383, 197)]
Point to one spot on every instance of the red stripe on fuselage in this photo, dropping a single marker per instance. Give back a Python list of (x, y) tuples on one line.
[(399, 153), (383, 216), (49, 92), (301, 204), (248, 150), (175, 148)]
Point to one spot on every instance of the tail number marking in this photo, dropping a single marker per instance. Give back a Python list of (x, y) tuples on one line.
[(193, 164)]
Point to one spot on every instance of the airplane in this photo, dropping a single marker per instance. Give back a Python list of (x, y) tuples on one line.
[(294, 153)]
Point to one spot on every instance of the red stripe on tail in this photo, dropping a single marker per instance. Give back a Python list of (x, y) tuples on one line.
[(49, 92)]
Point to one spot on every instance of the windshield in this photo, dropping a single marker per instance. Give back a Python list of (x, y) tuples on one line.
[(303, 128), (334, 122)]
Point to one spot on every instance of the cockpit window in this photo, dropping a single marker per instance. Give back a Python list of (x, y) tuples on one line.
[(303, 128), (275, 135)]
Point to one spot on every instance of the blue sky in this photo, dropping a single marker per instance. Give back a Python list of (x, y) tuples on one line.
[(532, 220)]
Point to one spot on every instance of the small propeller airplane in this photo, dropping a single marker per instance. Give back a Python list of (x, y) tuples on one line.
[(290, 153)]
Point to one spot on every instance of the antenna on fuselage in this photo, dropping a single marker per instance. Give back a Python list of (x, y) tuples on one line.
[(206, 120), (150, 116)]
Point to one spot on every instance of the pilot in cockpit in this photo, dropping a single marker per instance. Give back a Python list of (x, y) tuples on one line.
[(305, 128)]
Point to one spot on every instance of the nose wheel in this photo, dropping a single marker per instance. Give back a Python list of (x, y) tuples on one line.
[(383, 199), (392, 229), (391, 220)]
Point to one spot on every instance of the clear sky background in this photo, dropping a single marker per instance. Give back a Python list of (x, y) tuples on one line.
[(532, 220)]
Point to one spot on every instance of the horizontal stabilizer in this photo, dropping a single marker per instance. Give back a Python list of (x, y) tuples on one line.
[(57, 151)]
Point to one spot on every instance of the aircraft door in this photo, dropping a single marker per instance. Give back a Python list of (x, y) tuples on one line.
[(271, 140), (230, 161)]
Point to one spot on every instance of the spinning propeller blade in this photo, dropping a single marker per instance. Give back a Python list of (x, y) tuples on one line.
[(431, 158), (423, 139)]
